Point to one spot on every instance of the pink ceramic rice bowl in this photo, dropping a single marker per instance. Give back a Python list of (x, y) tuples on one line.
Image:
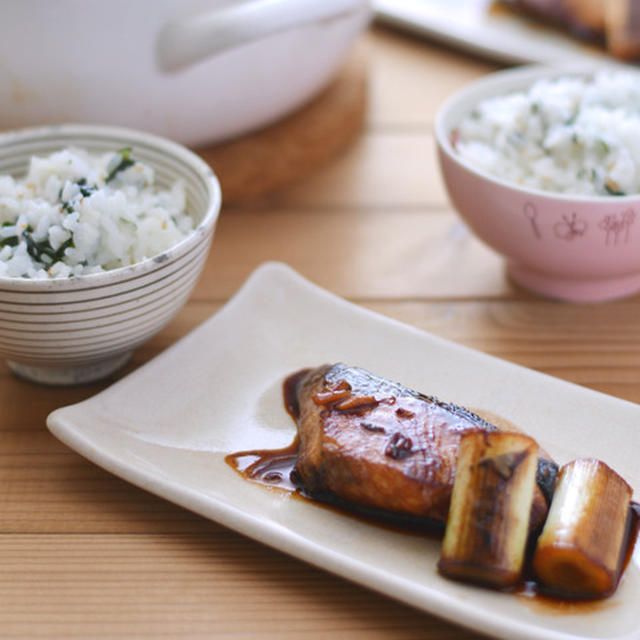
[(577, 248)]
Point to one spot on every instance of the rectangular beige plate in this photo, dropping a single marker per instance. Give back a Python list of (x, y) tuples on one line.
[(167, 427)]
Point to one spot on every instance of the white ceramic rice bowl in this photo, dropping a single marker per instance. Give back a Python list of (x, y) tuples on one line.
[(81, 329)]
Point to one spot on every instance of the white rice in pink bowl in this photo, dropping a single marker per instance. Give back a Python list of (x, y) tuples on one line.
[(571, 134), (76, 213)]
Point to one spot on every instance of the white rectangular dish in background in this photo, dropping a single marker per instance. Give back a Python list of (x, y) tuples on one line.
[(481, 27), (168, 426)]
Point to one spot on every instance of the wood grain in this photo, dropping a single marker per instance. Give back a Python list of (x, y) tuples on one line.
[(417, 253), (86, 555), (187, 586)]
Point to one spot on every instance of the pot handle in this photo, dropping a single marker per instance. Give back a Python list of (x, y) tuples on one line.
[(190, 39)]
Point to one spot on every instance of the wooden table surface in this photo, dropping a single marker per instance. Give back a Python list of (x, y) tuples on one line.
[(84, 554)]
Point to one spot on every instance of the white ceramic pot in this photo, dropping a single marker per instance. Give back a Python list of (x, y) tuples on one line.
[(196, 71)]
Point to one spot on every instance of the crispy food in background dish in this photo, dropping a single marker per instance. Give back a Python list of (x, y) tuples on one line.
[(585, 16), (615, 23), (379, 445), (622, 28), (581, 546), (488, 526)]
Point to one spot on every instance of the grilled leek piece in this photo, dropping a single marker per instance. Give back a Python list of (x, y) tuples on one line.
[(488, 521), (579, 550)]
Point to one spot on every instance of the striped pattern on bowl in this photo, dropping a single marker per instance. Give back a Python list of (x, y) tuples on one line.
[(80, 329)]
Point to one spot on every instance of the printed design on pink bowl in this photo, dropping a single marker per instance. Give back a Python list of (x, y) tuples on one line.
[(616, 226), (570, 227), (531, 214)]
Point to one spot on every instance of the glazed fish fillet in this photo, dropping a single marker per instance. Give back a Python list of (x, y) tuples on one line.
[(379, 445)]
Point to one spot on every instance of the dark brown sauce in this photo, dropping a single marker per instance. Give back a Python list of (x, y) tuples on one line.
[(530, 594), (272, 468), (275, 469)]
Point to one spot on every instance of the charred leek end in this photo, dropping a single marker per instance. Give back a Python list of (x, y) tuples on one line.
[(488, 522), (579, 550)]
